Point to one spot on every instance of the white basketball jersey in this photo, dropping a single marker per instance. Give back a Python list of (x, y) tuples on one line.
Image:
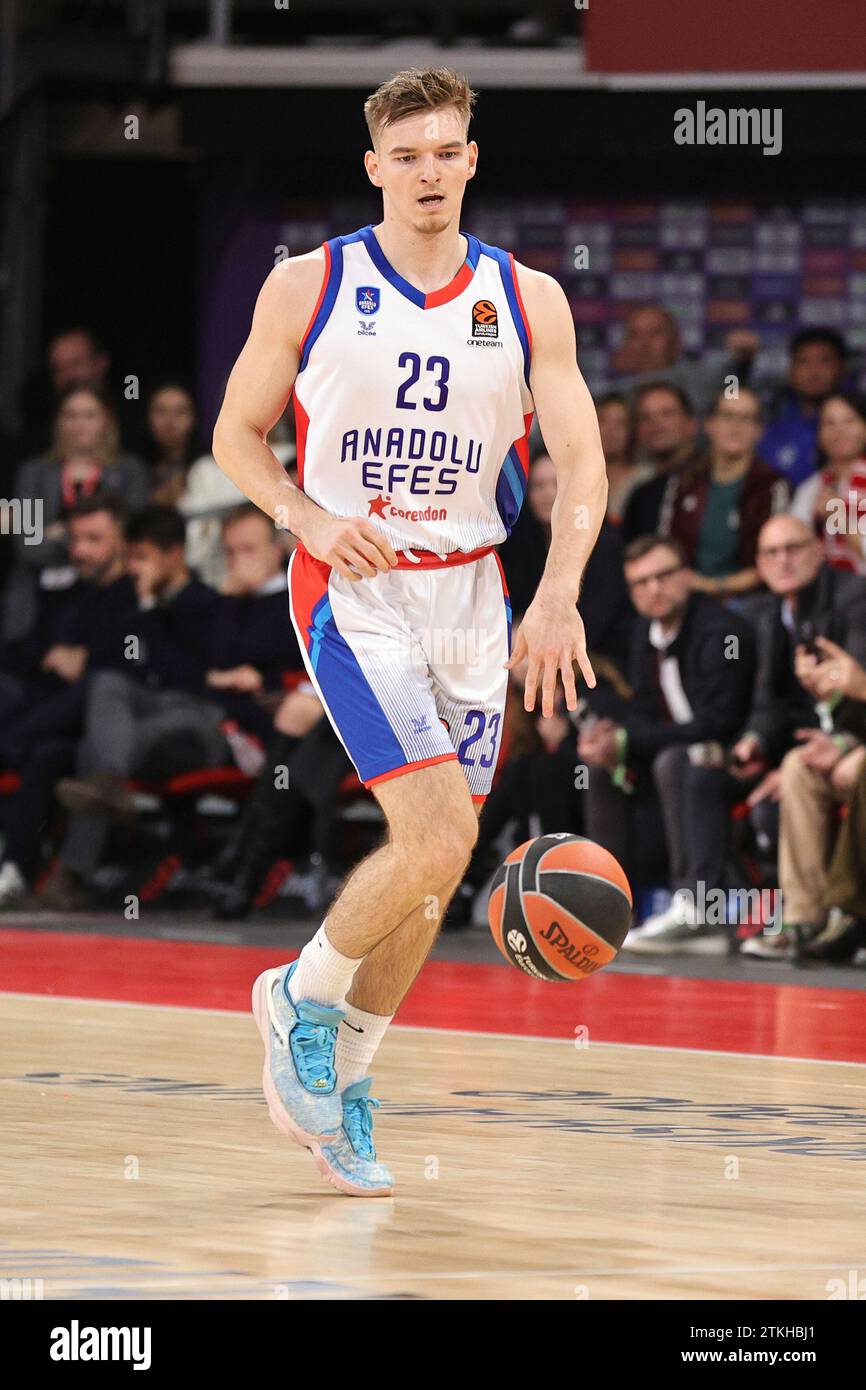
[(414, 409)]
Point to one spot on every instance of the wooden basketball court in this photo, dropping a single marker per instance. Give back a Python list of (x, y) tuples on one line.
[(543, 1153)]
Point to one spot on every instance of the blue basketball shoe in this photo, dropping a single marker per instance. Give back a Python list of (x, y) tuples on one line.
[(349, 1161), (298, 1077)]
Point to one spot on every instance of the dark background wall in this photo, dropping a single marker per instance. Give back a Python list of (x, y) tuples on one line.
[(165, 256)]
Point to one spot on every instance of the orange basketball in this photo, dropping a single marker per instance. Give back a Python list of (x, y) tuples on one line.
[(559, 907)]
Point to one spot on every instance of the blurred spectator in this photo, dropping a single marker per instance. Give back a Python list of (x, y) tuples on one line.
[(291, 808), (40, 729), (831, 674), (81, 631), (75, 356), (242, 645), (254, 642), (652, 350), (206, 498), (806, 599), (85, 456), (717, 507), (604, 601), (616, 425), (659, 768), (172, 441), (667, 430), (790, 444), (151, 718), (834, 500), (814, 778), (210, 493)]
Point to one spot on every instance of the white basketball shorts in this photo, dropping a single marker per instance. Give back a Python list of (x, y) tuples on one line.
[(409, 664)]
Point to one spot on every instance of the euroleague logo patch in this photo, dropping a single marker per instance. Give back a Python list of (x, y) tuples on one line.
[(485, 319)]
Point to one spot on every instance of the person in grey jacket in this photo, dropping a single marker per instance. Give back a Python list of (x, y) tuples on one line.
[(652, 349), (84, 455)]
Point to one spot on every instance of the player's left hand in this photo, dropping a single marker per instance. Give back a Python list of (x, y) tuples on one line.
[(551, 638)]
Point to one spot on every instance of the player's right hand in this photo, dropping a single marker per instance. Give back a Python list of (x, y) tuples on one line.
[(351, 545)]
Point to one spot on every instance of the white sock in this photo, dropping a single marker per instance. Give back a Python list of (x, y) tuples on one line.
[(322, 974), (358, 1039)]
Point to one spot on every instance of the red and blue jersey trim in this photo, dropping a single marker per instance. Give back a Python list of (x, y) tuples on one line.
[(506, 598), (514, 299), (331, 282), (302, 424), (350, 702), (513, 478), (416, 296)]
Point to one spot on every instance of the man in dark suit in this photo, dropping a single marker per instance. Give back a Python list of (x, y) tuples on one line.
[(43, 707), (806, 773), (154, 714), (660, 765), (667, 432)]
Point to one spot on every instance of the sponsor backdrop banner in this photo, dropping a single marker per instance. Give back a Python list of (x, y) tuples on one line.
[(716, 265)]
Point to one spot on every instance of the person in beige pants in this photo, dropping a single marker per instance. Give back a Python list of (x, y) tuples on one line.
[(815, 778)]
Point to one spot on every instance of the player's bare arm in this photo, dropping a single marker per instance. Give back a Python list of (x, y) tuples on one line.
[(551, 636), (258, 389)]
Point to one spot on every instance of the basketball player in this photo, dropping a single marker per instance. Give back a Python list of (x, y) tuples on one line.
[(418, 356)]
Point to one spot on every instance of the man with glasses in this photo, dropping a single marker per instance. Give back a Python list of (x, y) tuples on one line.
[(656, 780), (790, 740), (717, 507)]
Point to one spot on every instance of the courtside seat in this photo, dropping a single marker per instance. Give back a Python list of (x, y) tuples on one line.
[(351, 786), (208, 781)]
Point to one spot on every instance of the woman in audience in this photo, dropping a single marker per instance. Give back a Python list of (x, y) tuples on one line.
[(84, 455), (834, 499), (617, 427), (173, 441)]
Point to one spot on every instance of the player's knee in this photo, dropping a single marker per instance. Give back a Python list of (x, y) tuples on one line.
[(439, 847), (451, 842)]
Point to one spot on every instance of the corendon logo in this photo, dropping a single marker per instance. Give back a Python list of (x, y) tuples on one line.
[(381, 506)]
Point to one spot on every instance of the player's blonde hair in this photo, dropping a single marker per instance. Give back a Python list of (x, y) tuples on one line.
[(417, 89)]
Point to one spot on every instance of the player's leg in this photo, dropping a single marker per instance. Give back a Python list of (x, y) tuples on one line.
[(465, 648), (364, 664), (412, 804), (432, 828), (470, 684), (387, 973)]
